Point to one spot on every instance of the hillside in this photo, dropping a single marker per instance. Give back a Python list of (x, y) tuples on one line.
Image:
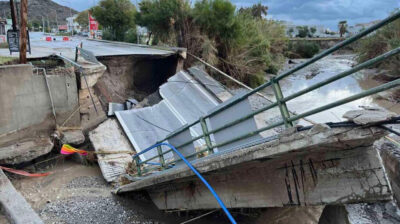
[(41, 8)]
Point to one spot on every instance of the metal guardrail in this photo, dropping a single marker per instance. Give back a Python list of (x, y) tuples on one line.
[(281, 101)]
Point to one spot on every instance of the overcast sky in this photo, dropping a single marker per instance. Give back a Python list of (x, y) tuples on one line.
[(307, 12)]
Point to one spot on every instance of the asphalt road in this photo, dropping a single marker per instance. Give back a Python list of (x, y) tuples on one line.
[(43, 48)]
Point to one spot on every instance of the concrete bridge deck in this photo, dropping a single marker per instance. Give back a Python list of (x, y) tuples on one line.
[(319, 166)]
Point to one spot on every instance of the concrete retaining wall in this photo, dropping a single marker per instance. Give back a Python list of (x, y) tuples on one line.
[(25, 102)]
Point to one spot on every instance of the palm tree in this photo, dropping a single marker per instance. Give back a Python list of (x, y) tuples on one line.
[(258, 10), (342, 27)]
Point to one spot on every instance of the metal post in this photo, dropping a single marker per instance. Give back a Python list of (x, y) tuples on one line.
[(162, 160), (139, 172), (282, 105), (13, 15), (76, 54), (23, 31), (206, 135)]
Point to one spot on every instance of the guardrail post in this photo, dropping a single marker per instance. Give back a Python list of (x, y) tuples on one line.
[(282, 105), (139, 172), (206, 135), (76, 54), (162, 160)]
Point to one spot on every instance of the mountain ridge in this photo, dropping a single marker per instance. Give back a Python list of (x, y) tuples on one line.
[(39, 10)]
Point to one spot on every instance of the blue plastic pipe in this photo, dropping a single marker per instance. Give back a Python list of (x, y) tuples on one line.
[(220, 202)]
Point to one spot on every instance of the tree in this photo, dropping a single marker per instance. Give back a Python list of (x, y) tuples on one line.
[(290, 32), (303, 31), (117, 16), (257, 11), (164, 18), (342, 27), (83, 19), (313, 30), (217, 18)]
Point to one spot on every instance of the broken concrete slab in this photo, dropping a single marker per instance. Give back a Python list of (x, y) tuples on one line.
[(319, 178), (368, 115), (92, 73), (90, 118), (184, 101), (74, 137), (390, 154), (145, 126), (109, 138), (25, 151), (16, 208), (320, 170)]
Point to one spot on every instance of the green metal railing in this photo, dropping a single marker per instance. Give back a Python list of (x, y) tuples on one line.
[(281, 101)]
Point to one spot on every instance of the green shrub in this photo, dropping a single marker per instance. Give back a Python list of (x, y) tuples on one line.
[(302, 49), (131, 36), (383, 40)]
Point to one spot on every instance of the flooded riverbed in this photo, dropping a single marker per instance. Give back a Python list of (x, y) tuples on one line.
[(340, 89)]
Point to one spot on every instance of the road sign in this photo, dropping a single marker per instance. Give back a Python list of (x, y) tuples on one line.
[(13, 40)]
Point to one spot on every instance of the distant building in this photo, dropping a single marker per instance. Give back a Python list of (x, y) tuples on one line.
[(72, 25), (353, 30), (5, 24), (62, 28)]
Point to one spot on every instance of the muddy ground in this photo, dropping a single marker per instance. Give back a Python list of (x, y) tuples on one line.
[(77, 194)]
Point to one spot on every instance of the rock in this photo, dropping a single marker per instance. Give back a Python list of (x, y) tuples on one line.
[(378, 213), (291, 215), (25, 151), (317, 129), (369, 115), (74, 137)]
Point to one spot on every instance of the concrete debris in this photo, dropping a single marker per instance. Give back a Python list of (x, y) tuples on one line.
[(16, 208), (130, 103), (113, 107), (377, 213), (390, 154), (108, 137), (150, 100), (318, 128), (90, 116), (25, 151), (92, 73), (369, 115), (74, 137)]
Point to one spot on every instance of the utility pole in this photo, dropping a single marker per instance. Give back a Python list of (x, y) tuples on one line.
[(24, 34), (43, 24), (13, 15), (57, 21)]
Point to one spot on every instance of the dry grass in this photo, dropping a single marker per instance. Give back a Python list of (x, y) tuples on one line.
[(7, 60)]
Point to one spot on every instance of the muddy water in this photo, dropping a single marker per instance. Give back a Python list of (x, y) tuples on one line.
[(345, 87)]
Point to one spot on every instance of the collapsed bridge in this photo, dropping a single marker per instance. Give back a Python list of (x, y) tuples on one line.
[(250, 164)]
